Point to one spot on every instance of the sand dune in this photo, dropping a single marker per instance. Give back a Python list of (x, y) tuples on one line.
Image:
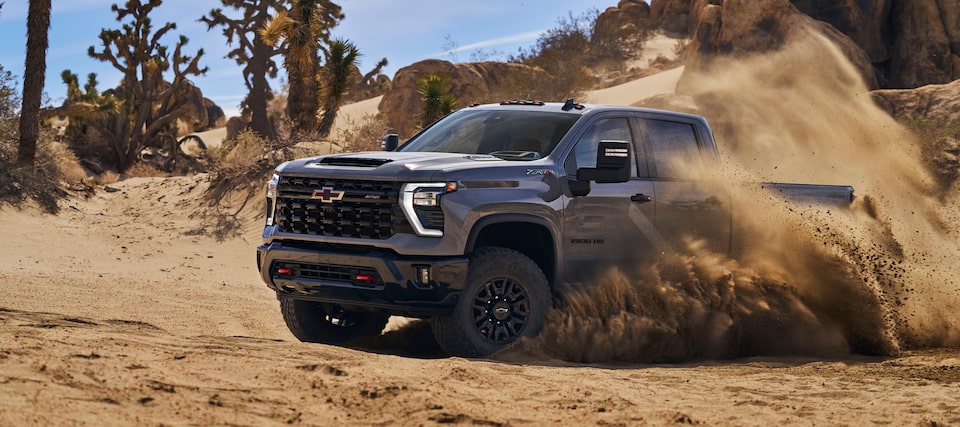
[(637, 90)]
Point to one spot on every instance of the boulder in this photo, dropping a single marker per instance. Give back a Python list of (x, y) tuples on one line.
[(927, 47), (198, 114), (192, 116), (674, 16), (741, 28), (866, 25), (469, 83), (215, 115), (933, 112), (908, 43), (367, 86), (932, 102), (235, 125), (629, 19)]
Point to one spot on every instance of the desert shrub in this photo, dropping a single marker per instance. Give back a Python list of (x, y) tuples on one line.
[(241, 168), (437, 100), (44, 182), (243, 165), (364, 134), (572, 56), (563, 52)]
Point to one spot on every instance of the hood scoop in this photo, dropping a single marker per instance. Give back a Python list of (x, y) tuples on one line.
[(353, 161)]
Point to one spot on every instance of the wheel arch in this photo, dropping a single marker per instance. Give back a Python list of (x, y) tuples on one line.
[(530, 235)]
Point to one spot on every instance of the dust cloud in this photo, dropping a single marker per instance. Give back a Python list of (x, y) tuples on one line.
[(801, 280)]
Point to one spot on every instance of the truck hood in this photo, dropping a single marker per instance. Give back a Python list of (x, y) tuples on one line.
[(402, 166)]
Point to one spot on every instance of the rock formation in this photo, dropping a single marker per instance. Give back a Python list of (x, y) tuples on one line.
[(934, 102), (740, 28), (198, 114), (469, 83), (630, 18), (366, 86), (674, 16), (933, 111), (908, 43)]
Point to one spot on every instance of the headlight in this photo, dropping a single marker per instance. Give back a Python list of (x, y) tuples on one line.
[(421, 205), (272, 186), (272, 197)]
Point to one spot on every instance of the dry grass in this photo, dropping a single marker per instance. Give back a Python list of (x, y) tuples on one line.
[(241, 168), (55, 167), (363, 134)]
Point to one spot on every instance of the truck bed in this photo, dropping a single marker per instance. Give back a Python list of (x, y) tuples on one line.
[(837, 195)]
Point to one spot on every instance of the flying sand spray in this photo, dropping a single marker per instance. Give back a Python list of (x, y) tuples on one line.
[(803, 281)]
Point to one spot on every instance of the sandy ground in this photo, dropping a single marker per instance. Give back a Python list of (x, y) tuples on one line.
[(126, 309), (121, 311)]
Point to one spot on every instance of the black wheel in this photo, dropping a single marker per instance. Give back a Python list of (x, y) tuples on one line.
[(505, 297), (322, 323)]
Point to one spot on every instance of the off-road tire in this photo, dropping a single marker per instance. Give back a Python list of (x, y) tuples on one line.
[(505, 297), (309, 322)]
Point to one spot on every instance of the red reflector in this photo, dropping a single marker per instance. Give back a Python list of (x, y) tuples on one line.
[(365, 278), (286, 271)]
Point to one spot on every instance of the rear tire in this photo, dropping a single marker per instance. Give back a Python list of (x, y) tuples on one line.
[(505, 297), (310, 322)]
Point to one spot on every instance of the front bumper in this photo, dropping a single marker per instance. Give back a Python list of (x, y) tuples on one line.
[(363, 279)]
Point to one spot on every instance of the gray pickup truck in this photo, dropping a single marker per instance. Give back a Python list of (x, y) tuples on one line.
[(479, 221)]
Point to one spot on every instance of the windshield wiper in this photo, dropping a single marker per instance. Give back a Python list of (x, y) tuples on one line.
[(516, 155)]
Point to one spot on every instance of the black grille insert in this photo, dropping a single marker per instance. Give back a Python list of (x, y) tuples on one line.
[(361, 276), (338, 207)]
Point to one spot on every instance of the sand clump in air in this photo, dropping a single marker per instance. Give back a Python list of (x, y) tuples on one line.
[(802, 280)]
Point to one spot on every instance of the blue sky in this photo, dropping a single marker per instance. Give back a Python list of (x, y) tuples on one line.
[(402, 31)]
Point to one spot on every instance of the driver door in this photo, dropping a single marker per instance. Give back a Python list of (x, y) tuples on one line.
[(612, 226)]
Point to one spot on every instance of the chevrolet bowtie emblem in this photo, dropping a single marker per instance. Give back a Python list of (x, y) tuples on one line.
[(328, 194)]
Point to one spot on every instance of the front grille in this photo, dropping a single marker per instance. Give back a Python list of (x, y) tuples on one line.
[(338, 207), (329, 272)]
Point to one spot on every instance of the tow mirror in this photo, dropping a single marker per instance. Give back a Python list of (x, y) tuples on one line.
[(390, 142), (613, 163)]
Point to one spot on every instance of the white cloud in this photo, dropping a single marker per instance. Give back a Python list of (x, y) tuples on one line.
[(516, 38)]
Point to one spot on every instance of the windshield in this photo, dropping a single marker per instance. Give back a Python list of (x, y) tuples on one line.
[(510, 135)]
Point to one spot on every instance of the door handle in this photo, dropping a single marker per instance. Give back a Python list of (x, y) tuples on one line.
[(640, 198)]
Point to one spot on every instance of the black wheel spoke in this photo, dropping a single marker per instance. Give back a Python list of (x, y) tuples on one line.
[(500, 309)]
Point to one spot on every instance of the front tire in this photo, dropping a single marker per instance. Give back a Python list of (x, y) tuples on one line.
[(505, 297), (323, 323)]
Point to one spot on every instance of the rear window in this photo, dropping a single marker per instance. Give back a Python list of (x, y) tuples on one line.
[(512, 135), (675, 148)]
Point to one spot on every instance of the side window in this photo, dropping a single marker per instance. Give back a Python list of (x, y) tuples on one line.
[(675, 149), (585, 152)]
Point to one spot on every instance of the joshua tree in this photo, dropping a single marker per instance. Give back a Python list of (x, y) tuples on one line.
[(302, 28), (38, 24), (437, 99), (336, 78), (252, 52), (147, 104)]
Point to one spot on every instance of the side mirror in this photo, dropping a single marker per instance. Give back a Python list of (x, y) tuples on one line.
[(578, 188), (390, 142), (613, 163)]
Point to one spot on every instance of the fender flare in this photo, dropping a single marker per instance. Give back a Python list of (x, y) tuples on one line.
[(494, 219)]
